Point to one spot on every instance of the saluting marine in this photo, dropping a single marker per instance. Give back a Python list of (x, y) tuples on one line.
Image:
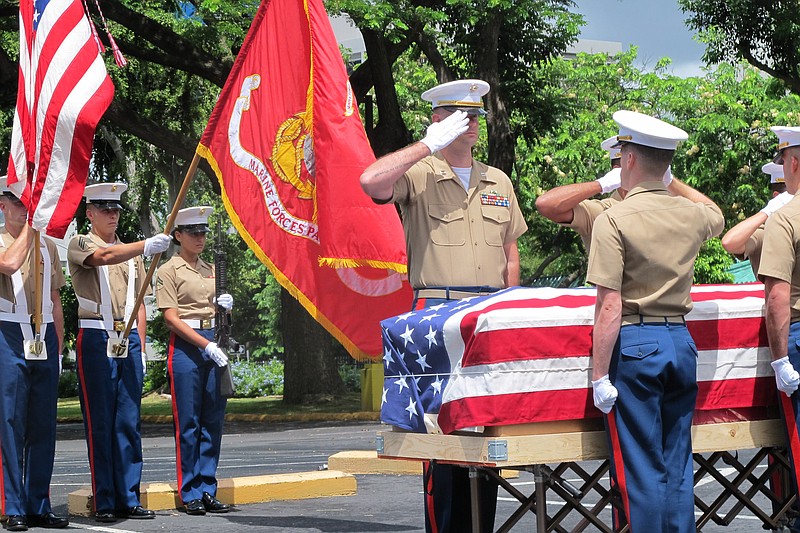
[(746, 238), (780, 272), (28, 370), (461, 221), (185, 294), (644, 359), (106, 276)]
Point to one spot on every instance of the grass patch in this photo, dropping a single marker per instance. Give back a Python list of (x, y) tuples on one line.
[(156, 405)]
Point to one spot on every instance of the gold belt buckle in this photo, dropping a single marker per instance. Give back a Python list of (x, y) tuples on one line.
[(205, 323), (119, 325)]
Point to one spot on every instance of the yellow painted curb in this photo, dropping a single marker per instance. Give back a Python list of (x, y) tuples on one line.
[(237, 491)]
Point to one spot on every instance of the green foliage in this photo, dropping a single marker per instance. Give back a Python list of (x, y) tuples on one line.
[(155, 378), (68, 384), (69, 306), (351, 376), (712, 264), (253, 379)]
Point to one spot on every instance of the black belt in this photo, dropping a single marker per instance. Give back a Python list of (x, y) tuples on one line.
[(454, 293), (628, 320)]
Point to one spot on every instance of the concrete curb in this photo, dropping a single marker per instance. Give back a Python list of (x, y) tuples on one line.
[(236, 491)]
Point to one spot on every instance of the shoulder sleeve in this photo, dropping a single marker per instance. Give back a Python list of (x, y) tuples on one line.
[(140, 274), (79, 248), (778, 252), (606, 257), (584, 215), (752, 248), (57, 271), (407, 187), (166, 287), (715, 220)]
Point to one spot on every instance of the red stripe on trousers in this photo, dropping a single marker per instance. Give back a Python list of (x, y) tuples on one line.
[(84, 387), (176, 423), (790, 419), (427, 476), (619, 464)]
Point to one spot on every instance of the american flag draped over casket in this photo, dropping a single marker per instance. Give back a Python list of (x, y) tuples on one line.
[(522, 355)]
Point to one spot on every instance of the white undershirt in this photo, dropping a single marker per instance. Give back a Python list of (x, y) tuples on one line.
[(463, 175)]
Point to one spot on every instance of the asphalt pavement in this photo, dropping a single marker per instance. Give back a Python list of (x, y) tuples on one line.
[(384, 503)]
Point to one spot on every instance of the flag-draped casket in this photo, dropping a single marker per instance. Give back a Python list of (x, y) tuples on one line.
[(522, 355)]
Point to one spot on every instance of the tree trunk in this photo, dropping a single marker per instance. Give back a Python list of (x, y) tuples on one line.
[(310, 373), (501, 137), (390, 133)]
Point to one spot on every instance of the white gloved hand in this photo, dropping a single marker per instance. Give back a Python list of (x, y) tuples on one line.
[(156, 244), (604, 394), (225, 300), (786, 377), (216, 354), (776, 203), (442, 133), (667, 179), (611, 181)]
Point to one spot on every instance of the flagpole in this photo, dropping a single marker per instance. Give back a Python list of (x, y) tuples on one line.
[(187, 180), (37, 273)]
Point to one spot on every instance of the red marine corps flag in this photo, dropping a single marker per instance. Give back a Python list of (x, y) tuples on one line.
[(63, 91), (288, 147)]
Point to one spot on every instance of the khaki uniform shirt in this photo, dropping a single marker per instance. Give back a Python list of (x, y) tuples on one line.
[(584, 215), (752, 249), (645, 247), (27, 270), (455, 237), (86, 282), (779, 257), (188, 289)]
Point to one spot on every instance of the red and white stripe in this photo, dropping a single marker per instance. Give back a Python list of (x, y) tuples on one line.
[(63, 91), (523, 356)]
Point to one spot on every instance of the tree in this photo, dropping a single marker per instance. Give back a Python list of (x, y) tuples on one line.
[(765, 34)]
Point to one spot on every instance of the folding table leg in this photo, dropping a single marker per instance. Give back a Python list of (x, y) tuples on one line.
[(541, 503), (475, 499)]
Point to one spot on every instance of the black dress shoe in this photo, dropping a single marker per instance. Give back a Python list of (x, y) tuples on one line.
[(16, 522), (195, 507), (213, 505), (105, 515), (49, 520), (137, 512)]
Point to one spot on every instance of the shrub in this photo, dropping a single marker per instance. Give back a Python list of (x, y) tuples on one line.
[(351, 375), (257, 379), (156, 376), (68, 384)]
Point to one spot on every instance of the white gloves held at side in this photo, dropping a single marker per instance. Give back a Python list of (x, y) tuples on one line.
[(786, 377), (776, 203), (225, 300), (216, 354), (442, 133), (156, 244), (611, 181), (604, 394)]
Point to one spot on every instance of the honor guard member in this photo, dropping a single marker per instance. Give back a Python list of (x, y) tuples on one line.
[(780, 272), (185, 294), (744, 240), (644, 359), (573, 205), (461, 222), (28, 370), (106, 276)]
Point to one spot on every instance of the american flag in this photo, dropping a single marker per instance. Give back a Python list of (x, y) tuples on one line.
[(522, 355), (63, 91)]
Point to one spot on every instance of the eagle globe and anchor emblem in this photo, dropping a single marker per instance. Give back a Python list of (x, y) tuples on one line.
[(294, 162)]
